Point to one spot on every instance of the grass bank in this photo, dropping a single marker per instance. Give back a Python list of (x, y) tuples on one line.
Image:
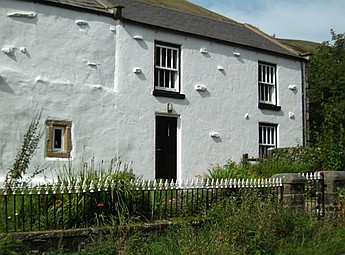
[(248, 226)]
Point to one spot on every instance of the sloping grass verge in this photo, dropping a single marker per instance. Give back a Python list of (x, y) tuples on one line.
[(248, 226)]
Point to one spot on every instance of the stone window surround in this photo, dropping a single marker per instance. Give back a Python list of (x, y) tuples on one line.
[(66, 152)]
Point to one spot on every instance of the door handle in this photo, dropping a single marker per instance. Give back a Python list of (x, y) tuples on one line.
[(159, 150)]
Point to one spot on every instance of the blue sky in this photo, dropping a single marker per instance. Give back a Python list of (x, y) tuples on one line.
[(296, 19)]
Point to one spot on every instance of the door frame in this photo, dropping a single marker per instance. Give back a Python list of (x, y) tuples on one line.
[(178, 142)]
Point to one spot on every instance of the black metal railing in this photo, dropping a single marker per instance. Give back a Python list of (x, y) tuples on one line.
[(50, 207), (314, 193)]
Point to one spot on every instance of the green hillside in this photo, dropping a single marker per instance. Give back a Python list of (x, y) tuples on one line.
[(300, 45)]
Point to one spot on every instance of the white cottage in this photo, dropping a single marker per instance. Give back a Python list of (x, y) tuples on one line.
[(168, 90)]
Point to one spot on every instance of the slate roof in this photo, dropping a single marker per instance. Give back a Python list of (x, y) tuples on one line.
[(167, 18)]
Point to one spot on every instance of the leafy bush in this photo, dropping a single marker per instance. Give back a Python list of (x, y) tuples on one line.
[(283, 160), (326, 93)]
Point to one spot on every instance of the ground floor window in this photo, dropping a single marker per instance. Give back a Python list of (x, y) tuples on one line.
[(267, 138), (59, 139)]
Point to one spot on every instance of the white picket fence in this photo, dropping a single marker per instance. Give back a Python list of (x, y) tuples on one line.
[(206, 184), (142, 184), (312, 176)]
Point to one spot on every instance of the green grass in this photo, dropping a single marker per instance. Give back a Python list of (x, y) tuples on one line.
[(301, 45), (246, 226), (251, 226)]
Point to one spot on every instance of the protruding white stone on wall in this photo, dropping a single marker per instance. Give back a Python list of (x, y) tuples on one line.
[(138, 37), (90, 63), (203, 51), (137, 70), (237, 54), (8, 50), (292, 87), (214, 135), (291, 115), (22, 14), (81, 22), (199, 87)]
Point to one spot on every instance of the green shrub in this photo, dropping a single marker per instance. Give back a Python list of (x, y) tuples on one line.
[(283, 160), (9, 245)]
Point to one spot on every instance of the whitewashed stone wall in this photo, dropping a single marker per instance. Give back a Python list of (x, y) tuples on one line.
[(84, 73)]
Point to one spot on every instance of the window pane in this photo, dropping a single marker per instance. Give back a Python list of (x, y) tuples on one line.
[(173, 79), (58, 139), (157, 77), (169, 58), (164, 57), (161, 78), (167, 78), (175, 59), (158, 56)]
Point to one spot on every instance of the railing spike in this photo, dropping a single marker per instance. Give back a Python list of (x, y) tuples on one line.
[(243, 183), (247, 183), (221, 183), (160, 184), (91, 188), (319, 175), (172, 184)]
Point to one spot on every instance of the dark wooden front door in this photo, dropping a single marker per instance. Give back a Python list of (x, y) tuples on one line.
[(166, 147)]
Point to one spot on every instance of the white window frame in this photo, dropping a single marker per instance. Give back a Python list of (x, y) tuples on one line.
[(267, 83), (268, 136), (167, 66)]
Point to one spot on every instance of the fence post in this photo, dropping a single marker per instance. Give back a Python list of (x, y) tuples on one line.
[(333, 180), (293, 189)]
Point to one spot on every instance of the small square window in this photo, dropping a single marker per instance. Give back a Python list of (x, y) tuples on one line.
[(59, 143)]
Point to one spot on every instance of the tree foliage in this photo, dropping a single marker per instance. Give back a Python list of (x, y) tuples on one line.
[(326, 79)]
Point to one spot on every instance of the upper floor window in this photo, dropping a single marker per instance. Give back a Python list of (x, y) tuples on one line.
[(167, 69), (267, 86), (267, 138), (59, 143)]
